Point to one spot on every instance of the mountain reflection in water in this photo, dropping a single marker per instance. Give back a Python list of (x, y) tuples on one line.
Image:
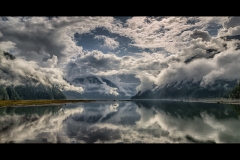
[(152, 121)]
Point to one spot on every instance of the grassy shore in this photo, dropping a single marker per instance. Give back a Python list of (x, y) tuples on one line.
[(5, 103), (207, 100), (45, 102), (37, 102), (218, 100), (211, 100)]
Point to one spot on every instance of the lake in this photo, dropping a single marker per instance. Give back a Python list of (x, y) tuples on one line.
[(142, 121)]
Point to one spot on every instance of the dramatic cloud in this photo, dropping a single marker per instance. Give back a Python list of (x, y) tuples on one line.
[(90, 63), (170, 34), (154, 50), (231, 22), (19, 72), (7, 46), (221, 66), (201, 34), (108, 42), (234, 31), (54, 36), (231, 27)]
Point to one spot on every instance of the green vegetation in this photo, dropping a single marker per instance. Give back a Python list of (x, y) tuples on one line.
[(235, 93), (189, 90), (30, 92), (3, 94), (31, 89), (12, 94), (36, 102)]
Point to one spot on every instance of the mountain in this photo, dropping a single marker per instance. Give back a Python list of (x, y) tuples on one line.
[(96, 87), (32, 89), (221, 88), (109, 83), (30, 92)]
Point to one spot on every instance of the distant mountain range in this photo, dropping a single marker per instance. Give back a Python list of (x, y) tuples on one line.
[(221, 88), (96, 87), (28, 91)]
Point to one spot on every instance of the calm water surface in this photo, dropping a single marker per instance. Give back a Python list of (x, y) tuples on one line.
[(122, 122)]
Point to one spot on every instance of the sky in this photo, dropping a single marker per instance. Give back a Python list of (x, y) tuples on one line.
[(146, 51)]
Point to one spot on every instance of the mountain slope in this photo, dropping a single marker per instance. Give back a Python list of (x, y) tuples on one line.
[(32, 89), (30, 92), (177, 89), (235, 92), (96, 87), (220, 88)]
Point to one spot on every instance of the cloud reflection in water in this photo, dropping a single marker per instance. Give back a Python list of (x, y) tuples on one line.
[(117, 122)]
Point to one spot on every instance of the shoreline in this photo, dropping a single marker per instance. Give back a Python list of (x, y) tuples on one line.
[(22, 103), (210, 100)]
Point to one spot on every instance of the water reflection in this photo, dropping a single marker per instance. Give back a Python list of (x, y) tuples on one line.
[(117, 122)]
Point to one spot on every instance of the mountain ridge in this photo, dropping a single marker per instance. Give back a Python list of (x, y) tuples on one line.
[(195, 90), (97, 87), (32, 89), (220, 89)]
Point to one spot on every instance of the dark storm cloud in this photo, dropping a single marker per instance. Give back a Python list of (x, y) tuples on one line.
[(232, 22), (53, 36), (201, 34), (92, 62), (123, 19), (231, 27), (33, 37), (102, 63), (192, 20)]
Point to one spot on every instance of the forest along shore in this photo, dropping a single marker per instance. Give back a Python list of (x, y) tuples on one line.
[(6, 103), (218, 100), (15, 103), (210, 100)]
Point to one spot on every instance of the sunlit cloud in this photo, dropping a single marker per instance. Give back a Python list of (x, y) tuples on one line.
[(153, 49)]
